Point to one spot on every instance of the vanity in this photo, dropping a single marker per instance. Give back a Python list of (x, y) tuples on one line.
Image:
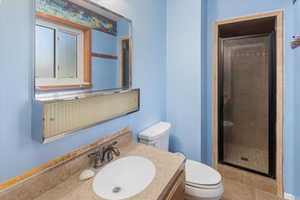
[(60, 181), (168, 181)]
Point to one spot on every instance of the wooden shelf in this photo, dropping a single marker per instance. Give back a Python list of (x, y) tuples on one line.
[(104, 56)]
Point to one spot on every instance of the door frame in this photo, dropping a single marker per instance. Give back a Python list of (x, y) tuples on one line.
[(275, 184)]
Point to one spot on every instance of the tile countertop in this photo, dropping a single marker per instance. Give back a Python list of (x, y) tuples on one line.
[(168, 166)]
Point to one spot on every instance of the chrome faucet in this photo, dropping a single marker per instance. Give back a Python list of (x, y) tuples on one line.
[(106, 155)]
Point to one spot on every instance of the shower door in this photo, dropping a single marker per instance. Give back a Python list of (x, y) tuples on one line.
[(247, 107)]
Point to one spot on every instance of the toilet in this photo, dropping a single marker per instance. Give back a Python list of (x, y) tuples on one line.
[(202, 182)]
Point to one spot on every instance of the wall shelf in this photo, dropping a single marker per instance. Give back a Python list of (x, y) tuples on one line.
[(55, 116)]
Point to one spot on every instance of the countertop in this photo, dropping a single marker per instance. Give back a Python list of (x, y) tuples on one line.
[(168, 166)]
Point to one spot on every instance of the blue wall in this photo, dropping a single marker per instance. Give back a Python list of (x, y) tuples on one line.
[(123, 27), (183, 80), (104, 43), (105, 72), (222, 9), (296, 10), (204, 108), (18, 152)]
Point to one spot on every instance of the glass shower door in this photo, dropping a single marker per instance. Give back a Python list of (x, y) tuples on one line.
[(247, 103)]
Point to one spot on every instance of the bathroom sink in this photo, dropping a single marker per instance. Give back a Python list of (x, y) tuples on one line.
[(124, 178)]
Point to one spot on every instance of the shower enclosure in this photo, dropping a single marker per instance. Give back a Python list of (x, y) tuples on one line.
[(247, 107)]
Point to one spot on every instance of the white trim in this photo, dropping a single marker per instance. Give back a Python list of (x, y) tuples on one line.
[(56, 82), (288, 196)]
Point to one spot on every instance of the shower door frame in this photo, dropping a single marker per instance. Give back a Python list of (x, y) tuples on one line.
[(252, 180), (271, 104)]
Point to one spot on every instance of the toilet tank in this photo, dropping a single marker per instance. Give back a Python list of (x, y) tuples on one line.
[(156, 135)]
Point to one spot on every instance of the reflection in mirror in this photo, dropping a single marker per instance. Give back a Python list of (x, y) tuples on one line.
[(80, 45)]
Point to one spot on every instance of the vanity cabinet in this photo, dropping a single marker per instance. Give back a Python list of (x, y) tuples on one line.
[(176, 192)]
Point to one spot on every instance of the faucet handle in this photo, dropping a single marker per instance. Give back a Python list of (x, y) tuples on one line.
[(109, 156), (94, 154), (116, 151), (105, 154), (112, 144), (109, 151)]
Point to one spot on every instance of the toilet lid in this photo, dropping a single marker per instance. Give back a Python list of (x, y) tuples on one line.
[(200, 174)]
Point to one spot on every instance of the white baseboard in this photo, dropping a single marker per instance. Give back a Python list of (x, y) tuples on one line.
[(288, 196)]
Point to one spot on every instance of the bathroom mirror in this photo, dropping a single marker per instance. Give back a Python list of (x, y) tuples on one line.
[(80, 46)]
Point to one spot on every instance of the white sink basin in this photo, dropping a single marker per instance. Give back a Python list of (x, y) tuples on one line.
[(124, 178)]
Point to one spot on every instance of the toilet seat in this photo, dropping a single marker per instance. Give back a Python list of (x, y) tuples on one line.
[(202, 181), (201, 174), (204, 193), (196, 186)]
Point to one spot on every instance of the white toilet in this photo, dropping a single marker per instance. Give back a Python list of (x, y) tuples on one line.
[(202, 182)]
